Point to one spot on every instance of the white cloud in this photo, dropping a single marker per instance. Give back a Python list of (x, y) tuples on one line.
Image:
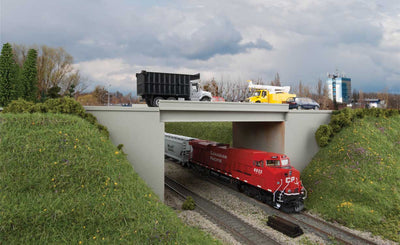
[(300, 39), (110, 73)]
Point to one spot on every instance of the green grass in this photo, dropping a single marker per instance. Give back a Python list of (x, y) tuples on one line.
[(216, 131), (63, 182), (355, 180)]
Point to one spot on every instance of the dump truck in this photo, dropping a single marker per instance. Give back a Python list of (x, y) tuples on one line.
[(156, 86), (268, 93)]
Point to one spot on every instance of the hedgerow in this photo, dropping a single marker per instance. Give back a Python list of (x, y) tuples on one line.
[(64, 105), (344, 118)]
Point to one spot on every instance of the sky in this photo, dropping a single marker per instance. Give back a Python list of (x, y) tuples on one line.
[(227, 40)]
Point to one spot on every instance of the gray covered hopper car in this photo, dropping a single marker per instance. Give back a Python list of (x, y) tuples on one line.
[(178, 148)]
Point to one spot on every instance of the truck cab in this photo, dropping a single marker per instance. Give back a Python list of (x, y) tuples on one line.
[(259, 96), (197, 94)]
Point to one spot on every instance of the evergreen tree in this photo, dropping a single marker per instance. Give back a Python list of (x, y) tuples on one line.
[(9, 89), (53, 92), (71, 91), (29, 77)]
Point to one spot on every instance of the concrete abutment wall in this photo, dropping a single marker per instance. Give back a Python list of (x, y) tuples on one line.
[(264, 136), (267, 127)]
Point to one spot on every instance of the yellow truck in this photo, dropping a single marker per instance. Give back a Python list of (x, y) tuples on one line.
[(269, 94)]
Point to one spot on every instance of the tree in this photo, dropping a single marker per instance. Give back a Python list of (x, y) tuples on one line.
[(277, 80), (9, 88), (53, 92), (361, 98), (320, 88), (355, 96), (100, 93), (71, 91), (54, 68), (29, 77), (212, 87)]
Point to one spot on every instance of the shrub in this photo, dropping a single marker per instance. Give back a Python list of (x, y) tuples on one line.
[(39, 107), (189, 204), (391, 112), (342, 119), (64, 105), (360, 113), (18, 106), (90, 118), (323, 135), (345, 117)]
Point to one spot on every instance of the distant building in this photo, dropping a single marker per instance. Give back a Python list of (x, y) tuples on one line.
[(339, 87)]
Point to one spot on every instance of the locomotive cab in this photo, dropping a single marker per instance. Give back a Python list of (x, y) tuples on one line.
[(284, 183)]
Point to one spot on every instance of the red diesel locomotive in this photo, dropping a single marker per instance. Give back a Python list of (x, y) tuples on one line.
[(266, 176)]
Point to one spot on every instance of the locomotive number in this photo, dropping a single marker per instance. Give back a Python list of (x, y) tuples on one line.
[(289, 179), (258, 171)]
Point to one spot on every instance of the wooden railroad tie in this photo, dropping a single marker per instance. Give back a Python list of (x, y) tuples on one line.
[(286, 227)]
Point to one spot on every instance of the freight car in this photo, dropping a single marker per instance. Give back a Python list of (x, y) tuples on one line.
[(266, 176), (178, 148)]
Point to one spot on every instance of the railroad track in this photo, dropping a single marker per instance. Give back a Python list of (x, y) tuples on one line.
[(323, 229), (327, 231), (239, 229)]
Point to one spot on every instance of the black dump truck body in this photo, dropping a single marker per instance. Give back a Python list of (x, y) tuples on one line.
[(154, 86)]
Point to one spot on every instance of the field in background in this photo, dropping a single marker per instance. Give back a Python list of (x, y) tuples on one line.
[(62, 181), (216, 131)]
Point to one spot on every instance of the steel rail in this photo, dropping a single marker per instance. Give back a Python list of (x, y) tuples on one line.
[(336, 233), (239, 229)]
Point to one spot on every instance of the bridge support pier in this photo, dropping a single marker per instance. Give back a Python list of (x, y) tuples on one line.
[(263, 136)]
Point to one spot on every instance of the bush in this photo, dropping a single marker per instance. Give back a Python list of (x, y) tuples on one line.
[(341, 120), (391, 112), (189, 204), (360, 113), (39, 107), (63, 105), (344, 118), (323, 135), (90, 118), (19, 106)]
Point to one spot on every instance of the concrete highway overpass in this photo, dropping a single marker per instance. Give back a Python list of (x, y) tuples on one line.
[(267, 127)]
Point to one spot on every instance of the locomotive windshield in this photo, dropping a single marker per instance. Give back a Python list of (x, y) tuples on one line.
[(273, 163), (285, 162)]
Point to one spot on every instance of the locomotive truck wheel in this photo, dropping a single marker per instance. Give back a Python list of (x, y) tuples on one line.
[(205, 99), (156, 101), (240, 187), (258, 101)]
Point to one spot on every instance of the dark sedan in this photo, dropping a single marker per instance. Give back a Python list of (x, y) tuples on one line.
[(302, 103)]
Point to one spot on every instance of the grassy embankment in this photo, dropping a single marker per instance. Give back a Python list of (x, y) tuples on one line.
[(63, 182), (215, 131), (354, 180)]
